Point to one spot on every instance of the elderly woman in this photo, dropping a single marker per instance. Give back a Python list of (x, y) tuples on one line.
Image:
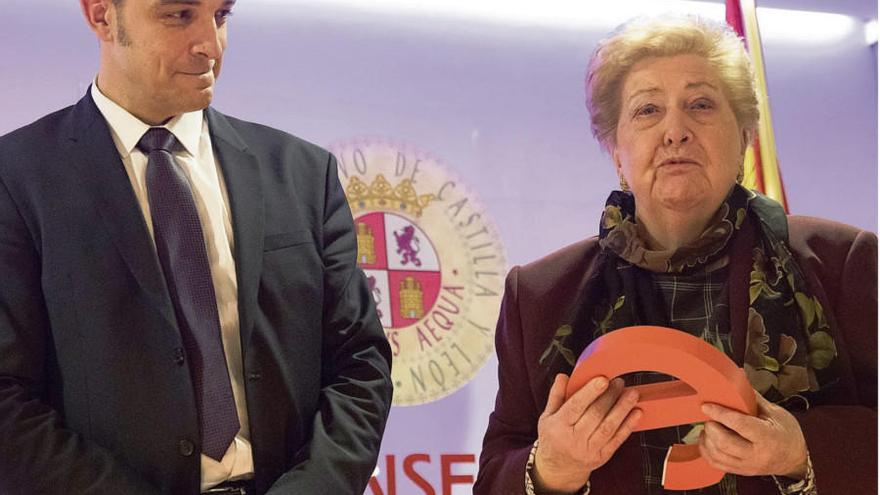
[(792, 300)]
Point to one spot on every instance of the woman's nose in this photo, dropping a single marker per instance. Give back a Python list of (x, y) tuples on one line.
[(677, 131)]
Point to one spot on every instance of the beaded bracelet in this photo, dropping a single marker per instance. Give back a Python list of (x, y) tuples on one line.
[(530, 485), (806, 486)]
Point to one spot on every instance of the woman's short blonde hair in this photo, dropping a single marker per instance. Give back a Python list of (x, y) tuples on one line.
[(664, 37)]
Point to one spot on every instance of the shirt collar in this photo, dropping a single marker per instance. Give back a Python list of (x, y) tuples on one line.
[(187, 127)]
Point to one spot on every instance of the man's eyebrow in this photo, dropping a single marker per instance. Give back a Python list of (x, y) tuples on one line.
[(179, 2), (162, 3)]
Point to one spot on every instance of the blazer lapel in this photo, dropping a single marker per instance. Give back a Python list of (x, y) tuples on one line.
[(242, 175), (739, 273), (99, 166)]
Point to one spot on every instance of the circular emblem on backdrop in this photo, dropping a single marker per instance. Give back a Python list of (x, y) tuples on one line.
[(434, 262)]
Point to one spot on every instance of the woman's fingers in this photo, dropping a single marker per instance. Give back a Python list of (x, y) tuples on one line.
[(556, 397), (595, 413), (579, 435), (623, 432), (726, 440), (610, 420), (561, 464), (748, 427), (575, 406), (718, 458)]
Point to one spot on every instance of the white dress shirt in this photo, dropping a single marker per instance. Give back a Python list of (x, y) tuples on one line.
[(212, 202)]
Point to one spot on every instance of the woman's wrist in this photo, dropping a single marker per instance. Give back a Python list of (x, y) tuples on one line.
[(798, 483), (535, 485)]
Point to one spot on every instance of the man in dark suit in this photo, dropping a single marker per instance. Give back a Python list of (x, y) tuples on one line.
[(180, 306)]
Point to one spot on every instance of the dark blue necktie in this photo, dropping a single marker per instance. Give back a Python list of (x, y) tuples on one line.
[(180, 245)]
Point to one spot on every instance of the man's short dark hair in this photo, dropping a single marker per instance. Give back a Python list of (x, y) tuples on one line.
[(121, 33)]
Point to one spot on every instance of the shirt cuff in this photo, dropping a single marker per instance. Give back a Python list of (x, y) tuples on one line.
[(806, 486), (530, 485)]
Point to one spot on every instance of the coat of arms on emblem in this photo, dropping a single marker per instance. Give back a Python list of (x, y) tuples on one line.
[(409, 272), (433, 261)]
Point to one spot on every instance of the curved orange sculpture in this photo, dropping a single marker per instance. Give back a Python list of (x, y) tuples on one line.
[(704, 373)]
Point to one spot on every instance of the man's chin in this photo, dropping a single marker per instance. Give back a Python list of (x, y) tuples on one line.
[(199, 100)]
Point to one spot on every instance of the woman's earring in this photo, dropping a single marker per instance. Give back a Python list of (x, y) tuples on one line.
[(623, 185), (741, 175)]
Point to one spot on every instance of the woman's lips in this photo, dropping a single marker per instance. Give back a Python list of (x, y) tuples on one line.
[(678, 161), (677, 166)]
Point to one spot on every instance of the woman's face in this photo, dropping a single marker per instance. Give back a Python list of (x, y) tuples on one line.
[(678, 144)]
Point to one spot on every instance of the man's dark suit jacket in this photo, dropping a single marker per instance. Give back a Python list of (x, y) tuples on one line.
[(95, 396), (840, 265)]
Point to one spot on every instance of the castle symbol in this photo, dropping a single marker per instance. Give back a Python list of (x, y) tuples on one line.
[(366, 244), (411, 299)]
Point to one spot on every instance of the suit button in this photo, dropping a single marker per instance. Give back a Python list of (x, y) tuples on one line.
[(254, 376), (185, 448), (179, 356)]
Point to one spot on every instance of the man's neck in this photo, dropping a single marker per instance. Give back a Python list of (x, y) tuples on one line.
[(105, 86)]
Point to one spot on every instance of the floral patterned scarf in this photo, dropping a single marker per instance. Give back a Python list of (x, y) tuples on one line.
[(789, 351)]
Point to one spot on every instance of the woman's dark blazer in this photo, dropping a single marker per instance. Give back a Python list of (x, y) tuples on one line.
[(840, 263)]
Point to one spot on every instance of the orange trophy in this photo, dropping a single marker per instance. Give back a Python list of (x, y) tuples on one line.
[(704, 374)]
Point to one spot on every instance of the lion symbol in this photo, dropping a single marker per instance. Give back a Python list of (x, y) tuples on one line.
[(408, 246)]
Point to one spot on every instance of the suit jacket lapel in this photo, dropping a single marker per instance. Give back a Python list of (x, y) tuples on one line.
[(99, 166), (242, 175)]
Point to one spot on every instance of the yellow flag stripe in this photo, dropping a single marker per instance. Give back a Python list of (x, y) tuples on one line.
[(769, 162), (750, 180)]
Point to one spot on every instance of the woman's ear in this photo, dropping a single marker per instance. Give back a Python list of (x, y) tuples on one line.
[(615, 157), (624, 186), (746, 138)]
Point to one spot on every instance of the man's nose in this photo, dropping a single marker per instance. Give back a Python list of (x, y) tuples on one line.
[(209, 42)]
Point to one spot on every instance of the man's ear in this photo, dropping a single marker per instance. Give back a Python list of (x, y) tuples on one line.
[(101, 17)]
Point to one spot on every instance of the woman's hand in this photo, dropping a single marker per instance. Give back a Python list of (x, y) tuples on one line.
[(770, 443), (577, 436)]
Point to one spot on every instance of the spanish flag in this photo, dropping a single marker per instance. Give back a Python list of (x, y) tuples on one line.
[(761, 166)]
